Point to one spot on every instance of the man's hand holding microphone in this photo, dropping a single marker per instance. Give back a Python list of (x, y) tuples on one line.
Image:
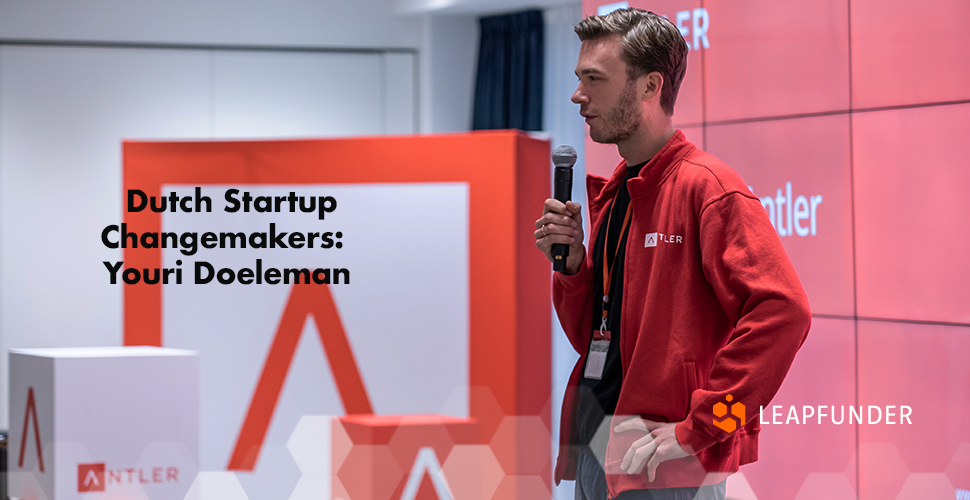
[(559, 232)]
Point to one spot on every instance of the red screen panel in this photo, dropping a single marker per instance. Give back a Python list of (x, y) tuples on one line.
[(800, 170), (912, 213), (924, 367), (770, 58), (823, 374), (908, 53), (695, 135)]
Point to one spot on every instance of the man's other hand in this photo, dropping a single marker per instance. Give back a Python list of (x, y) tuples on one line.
[(659, 445), (561, 223)]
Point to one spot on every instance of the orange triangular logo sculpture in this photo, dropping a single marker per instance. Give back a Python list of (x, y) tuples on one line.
[(304, 300)]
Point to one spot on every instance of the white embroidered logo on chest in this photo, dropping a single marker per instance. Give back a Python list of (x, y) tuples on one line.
[(653, 238)]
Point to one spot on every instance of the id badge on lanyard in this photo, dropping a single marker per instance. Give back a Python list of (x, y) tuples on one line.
[(600, 345), (596, 360)]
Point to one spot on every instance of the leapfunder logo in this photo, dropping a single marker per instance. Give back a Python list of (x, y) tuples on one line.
[(95, 477), (877, 415), (729, 424), (894, 415)]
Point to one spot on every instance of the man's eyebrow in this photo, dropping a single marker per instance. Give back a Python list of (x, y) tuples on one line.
[(587, 71)]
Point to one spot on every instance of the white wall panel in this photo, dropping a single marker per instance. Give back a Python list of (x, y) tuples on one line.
[(63, 113), (400, 91), (297, 94), (448, 66), (319, 23)]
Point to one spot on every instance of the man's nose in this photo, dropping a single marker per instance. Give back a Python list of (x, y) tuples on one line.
[(579, 97)]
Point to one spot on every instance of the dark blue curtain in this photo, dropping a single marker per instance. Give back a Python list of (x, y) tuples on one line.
[(508, 90)]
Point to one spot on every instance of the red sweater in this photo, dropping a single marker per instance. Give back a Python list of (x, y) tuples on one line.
[(711, 306)]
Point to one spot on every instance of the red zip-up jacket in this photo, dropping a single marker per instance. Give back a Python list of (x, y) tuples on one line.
[(712, 307)]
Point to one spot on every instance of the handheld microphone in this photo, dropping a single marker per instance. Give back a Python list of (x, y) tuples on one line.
[(563, 157)]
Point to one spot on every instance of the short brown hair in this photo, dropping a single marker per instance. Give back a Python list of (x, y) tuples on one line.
[(649, 43)]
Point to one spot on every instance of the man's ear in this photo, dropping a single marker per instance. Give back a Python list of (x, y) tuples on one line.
[(652, 86)]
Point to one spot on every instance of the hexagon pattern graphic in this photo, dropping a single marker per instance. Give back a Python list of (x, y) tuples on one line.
[(426, 465), (517, 444), (216, 485), (827, 485), (416, 457), (926, 486), (310, 445), (958, 470), (882, 471), (738, 488), (473, 471)]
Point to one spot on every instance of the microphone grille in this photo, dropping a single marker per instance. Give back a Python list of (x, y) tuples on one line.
[(564, 156)]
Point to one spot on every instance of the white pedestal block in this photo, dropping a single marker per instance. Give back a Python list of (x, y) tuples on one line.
[(103, 423)]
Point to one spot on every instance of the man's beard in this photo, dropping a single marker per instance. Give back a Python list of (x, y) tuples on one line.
[(621, 120)]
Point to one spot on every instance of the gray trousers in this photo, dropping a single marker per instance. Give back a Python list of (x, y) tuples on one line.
[(591, 485)]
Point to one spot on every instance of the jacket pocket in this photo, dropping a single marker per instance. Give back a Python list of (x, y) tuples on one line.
[(690, 372)]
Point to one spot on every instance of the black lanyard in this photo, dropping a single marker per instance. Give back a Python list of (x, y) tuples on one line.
[(608, 267)]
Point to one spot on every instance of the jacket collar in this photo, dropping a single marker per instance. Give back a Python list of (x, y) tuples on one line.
[(652, 175)]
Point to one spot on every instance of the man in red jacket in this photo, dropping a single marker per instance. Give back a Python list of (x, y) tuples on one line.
[(686, 311)]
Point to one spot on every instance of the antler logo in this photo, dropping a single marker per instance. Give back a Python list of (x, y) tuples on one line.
[(729, 424), (90, 477), (31, 411)]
